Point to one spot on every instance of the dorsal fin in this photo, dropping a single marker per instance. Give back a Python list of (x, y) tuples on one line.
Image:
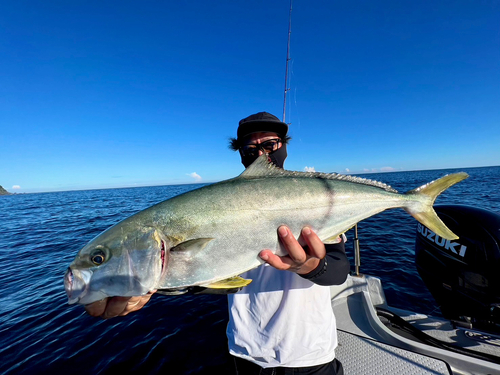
[(261, 167)]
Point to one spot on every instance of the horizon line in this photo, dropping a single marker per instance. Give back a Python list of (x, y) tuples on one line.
[(213, 182)]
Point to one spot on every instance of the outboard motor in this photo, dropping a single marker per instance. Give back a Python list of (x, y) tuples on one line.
[(463, 275)]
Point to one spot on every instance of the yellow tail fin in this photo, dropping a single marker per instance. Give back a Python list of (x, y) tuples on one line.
[(425, 214)]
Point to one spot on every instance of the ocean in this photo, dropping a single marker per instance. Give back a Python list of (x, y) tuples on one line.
[(40, 235)]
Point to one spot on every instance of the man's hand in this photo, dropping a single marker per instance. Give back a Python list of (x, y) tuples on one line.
[(117, 306), (297, 260)]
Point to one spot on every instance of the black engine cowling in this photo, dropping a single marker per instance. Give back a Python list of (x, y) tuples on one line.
[(463, 275)]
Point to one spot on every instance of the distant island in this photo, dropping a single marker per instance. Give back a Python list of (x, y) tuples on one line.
[(3, 191)]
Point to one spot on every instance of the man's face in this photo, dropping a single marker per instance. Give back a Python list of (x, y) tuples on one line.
[(258, 143)]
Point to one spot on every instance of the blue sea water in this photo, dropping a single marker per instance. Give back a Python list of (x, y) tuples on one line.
[(41, 233)]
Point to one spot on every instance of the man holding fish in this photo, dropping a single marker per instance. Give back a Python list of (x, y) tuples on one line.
[(283, 321), (207, 237)]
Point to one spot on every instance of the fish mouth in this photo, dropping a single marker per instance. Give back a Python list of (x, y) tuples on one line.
[(68, 281), (76, 284)]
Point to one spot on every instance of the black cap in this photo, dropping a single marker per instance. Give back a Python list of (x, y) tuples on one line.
[(261, 122)]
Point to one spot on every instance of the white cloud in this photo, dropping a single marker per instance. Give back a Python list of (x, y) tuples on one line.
[(347, 170), (309, 169), (387, 169), (16, 187), (366, 170), (195, 175)]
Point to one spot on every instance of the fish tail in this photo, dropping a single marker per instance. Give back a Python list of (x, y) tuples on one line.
[(427, 194)]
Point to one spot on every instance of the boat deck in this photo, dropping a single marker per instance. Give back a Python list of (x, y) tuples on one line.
[(368, 346), (360, 355)]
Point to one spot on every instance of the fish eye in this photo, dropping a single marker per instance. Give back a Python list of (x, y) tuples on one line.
[(98, 257)]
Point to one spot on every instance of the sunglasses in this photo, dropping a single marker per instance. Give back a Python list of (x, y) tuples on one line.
[(268, 146)]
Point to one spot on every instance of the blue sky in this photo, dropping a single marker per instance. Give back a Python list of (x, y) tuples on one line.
[(97, 94)]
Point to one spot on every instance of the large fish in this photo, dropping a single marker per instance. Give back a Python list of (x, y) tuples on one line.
[(216, 232)]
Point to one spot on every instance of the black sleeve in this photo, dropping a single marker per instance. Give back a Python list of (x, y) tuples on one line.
[(333, 268)]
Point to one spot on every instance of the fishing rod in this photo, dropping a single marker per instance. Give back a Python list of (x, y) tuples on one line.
[(287, 60), (357, 256)]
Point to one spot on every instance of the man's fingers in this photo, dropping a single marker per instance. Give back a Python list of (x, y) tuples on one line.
[(315, 245), (136, 303), (275, 260), (96, 308), (297, 259), (116, 306), (295, 250), (133, 304)]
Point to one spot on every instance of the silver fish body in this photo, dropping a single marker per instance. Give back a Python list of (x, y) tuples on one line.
[(216, 232)]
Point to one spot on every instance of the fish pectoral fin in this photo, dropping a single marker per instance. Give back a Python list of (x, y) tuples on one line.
[(232, 282), (191, 247)]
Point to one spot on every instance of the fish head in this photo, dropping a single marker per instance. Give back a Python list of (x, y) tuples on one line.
[(125, 260)]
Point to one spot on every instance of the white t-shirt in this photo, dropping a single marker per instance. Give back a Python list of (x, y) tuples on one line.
[(281, 319)]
